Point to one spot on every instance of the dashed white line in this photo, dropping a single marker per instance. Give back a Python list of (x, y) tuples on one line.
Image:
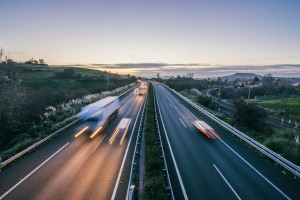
[(171, 105), (189, 111), (227, 182), (21, 181), (267, 180), (182, 123), (99, 143), (274, 186)]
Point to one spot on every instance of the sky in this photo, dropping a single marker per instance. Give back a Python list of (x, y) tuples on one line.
[(177, 36)]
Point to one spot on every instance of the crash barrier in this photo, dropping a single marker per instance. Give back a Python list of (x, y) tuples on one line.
[(278, 159)]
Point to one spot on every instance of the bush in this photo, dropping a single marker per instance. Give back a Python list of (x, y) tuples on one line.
[(249, 115), (155, 187), (283, 143)]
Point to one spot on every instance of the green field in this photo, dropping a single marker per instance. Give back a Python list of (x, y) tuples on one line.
[(290, 106), (39, 72), (40, 77)]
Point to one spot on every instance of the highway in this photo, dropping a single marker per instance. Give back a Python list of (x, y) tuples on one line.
[(77, 168), (202, 168)]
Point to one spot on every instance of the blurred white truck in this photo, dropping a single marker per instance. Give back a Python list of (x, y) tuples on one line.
[(95, 116)]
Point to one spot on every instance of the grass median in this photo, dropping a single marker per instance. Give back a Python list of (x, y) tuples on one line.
[(155, 186)]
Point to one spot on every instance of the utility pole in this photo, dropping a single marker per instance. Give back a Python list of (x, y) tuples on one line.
[(248, 97), (1, 53)]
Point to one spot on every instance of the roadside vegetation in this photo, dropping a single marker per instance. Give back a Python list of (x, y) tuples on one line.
[(155, 187), (285, 107), (249, 117), (35, 102)]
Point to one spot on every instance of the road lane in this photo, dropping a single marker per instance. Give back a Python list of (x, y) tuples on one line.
[(196, 157), (86, 169)]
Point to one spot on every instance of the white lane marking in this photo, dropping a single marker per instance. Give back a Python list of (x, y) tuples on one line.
[(124, 158), (171, 95), (99, 143), (274, 186), (260, 174), (182, 123), (189, 112), (21, 181), (172, 155), (170, 105), (227, 182)]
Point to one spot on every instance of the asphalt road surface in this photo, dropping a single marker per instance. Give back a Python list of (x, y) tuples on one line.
[(77, 168), (202, 168)]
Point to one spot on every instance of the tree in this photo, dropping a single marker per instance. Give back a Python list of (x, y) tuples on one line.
[(158, 75), (190, 75), (268, 80), (41, 61), (69, 73), (255, 80), (249, 115)]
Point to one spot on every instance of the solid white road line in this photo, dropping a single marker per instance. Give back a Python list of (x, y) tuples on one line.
[(274, 186), (21, 181), (267, 180), (172, 155), (99, 143), (182, 123), (227, 182), (124, 158)]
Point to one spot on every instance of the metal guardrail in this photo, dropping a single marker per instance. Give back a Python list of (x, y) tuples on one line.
[(288, 165), (135, 160), (165, 169), (18, 155), (6, 162)]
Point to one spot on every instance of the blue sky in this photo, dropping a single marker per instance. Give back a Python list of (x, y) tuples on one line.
[(214, 33)]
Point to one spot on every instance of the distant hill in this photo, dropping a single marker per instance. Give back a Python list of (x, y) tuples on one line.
[(241, 76)]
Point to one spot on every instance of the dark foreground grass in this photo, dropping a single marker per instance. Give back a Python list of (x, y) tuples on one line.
[(155, 187)]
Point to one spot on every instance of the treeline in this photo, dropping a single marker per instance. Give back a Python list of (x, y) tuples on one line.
[(183, 83), (233, 93), (155, 187)]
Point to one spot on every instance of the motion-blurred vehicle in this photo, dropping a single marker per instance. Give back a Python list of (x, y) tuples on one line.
[(96, 116), (208, 131), (138, 91), (121, 130)]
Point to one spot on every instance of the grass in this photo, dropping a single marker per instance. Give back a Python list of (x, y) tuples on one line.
[(65, 84), (42, 72), (155, 187), (38, 77), (290, 106)]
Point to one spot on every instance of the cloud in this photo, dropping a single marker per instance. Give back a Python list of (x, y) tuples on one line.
[(144, 65), (200, 69)]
